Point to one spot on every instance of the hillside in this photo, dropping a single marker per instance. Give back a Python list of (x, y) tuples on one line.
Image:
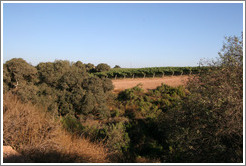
[(38, 137)]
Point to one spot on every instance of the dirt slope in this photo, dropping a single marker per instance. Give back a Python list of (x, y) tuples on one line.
[(149, 83)]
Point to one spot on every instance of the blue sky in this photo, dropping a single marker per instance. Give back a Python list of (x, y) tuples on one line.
[(129, 35)]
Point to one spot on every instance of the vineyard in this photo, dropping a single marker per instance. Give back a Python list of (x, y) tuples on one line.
[(149, 72)]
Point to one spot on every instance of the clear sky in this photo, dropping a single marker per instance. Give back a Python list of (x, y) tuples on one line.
[(129, 35)]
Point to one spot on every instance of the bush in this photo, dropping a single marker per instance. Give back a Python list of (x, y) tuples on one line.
[(117, 138), (71, 124)]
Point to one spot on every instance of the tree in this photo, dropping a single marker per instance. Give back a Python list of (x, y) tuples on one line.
[(208, 125), (117, 66), (50, 73), (73, 77), (89, 67), (80, 66), (231, 54), (19, 71), (20, 77), (102, 67), (95, 99)]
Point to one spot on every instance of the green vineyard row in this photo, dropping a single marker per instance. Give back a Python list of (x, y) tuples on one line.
[(149, 72)]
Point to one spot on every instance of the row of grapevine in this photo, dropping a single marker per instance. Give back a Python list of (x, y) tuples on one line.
[(149, 72)]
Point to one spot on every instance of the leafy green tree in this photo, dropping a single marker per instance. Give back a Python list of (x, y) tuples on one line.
[(89, 103), (90, 67), (21, 77), (50, 73), (102, 67), (19, 72), (80, 65), (64, 105), (95, 100), (47, 97), (72, 79), (117, 67)]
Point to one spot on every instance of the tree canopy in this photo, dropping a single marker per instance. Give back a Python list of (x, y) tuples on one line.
[(102, 67)]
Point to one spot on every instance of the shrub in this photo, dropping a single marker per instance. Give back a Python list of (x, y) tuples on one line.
[(117, 138), (71, 124)]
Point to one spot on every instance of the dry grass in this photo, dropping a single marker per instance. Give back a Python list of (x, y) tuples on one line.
[(39, 137)]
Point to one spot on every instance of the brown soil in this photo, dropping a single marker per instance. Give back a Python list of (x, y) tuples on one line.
[(149, 83)]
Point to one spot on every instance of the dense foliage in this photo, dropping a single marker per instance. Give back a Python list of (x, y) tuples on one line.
[(202, 122), (61, 85)]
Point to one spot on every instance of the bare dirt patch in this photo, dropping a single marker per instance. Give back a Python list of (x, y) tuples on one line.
[(149, 83)]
